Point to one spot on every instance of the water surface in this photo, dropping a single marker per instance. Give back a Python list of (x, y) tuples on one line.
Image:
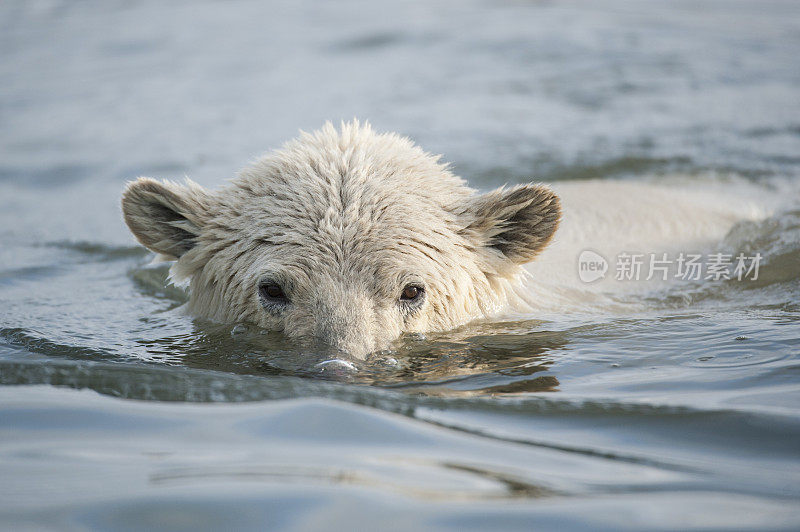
[(672, 408)]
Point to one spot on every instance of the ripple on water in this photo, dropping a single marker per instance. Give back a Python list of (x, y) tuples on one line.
[(737, 358)]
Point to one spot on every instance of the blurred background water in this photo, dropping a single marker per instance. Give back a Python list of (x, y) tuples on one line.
[(681, 411)]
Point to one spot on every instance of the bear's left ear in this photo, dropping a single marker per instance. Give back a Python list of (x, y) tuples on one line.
[(518, 222), (165, 217)]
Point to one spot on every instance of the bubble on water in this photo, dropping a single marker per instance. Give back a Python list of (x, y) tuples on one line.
[(336, 366), (238, 330), (386, 361)]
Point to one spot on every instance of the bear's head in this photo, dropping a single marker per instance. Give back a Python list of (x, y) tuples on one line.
[(344, 240)]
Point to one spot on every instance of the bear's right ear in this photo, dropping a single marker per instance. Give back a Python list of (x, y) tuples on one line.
[(517, 222), (164, 217)]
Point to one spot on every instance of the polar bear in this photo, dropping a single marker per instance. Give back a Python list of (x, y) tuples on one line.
[(344, 240)]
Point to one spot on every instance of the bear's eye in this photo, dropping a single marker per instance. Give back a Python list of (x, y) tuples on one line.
[(272, 292), (411, 292)]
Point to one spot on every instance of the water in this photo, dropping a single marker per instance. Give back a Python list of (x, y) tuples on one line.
[(617, 405)]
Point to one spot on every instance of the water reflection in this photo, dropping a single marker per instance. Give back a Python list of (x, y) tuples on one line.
[(454, 481), (471, 360)]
